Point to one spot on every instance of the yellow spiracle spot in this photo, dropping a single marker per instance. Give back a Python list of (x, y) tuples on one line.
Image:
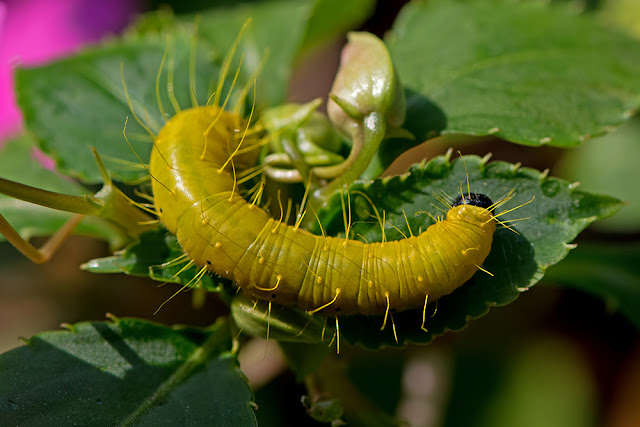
[(420, 278), (218, 244), (204, 221), (371, 283), (261, 260), (319, 279)]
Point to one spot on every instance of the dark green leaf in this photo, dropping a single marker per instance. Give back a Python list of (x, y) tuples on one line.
[(17, 163), (126, 372), (607, 271), (518, 261), (525, 71)]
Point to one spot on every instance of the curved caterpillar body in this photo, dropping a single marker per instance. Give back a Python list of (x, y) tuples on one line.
[(196, 198)]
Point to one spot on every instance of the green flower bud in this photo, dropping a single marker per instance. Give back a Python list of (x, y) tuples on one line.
[(366, 83)]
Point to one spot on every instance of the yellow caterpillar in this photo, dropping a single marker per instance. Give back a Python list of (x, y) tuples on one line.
[(195, 196)]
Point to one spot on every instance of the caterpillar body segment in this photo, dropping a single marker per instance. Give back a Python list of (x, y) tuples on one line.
[(197, 199)]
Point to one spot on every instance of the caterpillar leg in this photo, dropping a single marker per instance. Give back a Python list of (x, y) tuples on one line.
[(45, 253), (336, 336), (484, 270), (315, 310), (387, 314), (424, 313), (393, 327)]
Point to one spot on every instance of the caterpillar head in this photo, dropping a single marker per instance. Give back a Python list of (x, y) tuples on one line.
[(465, 208), (473, 199)]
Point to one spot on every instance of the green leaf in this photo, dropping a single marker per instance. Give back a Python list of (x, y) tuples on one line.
[(518, 261), (325, 23), (606, 271), (17, 163), (525, 71), (126, 372), (274, 35), (80, 101), (156, 255)]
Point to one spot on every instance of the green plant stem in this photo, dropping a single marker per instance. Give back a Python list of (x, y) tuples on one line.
[(63, 202), (367, 137)]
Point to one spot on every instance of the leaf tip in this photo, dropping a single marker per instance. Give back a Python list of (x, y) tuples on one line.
[(544, 175), (448, 154), (112, 317), (68, 326), (573, 185), (485, 159)]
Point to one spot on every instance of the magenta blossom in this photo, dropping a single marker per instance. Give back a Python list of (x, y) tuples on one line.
[(33, 32)]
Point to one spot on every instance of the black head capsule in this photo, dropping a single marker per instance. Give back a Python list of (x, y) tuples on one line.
[(473, 199)]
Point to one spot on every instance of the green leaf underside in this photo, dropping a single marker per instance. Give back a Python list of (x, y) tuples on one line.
[(79, 101), (518, 261), (527, 72), (126, 372), (17, 163), (156, 255), (606, 271)]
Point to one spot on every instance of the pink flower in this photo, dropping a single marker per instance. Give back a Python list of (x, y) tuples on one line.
[(33, 32)]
